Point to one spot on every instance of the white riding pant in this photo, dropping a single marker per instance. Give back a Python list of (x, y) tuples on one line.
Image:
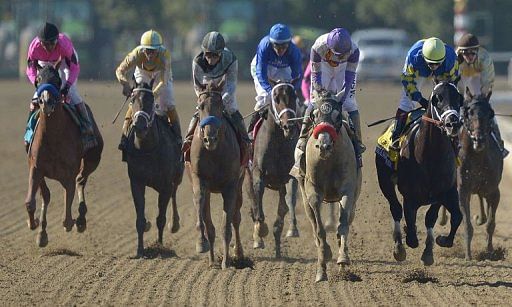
[(262, 97), (165, 99)]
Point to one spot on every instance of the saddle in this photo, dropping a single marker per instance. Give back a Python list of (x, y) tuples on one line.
[(384, 141)]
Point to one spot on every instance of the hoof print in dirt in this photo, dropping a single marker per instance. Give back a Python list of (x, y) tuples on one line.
[(420, 276), (498, 254)]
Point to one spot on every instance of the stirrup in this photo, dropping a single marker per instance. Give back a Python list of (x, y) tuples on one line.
[(504, 153), (123, 143)]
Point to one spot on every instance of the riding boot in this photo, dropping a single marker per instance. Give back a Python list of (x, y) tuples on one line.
[(358, 144), (238, 122), (84, 115), (174, 121), (300, 148), (400, 120), (254, 119), (125, 130), (190, 132), (497, 136)]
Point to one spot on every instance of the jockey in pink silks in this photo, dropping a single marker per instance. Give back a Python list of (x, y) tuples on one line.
[(53, 48)]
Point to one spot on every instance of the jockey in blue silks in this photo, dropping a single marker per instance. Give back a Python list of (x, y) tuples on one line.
[(277, 58)]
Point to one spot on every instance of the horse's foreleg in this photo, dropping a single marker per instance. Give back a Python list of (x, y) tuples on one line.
[(175, 217), (42, 237), (346, 210), (138, 193), (430, 220), (34, 181), (330, 221), (410, 211), (324, 252), (465, 208), (81, 222), (210, 229), (200, 192), (452, 205), (69, 194), (237, 218), (493, 201), (229, 195), (282, 209), (163, 202), (260, 227), (291, 201)]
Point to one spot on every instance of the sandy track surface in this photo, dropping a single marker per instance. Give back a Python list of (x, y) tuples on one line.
[(97, 267)]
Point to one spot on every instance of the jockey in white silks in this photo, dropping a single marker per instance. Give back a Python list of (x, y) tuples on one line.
[(277, 58)]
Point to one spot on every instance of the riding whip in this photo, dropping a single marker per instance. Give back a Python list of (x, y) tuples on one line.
[(120, 109), (380, 121)]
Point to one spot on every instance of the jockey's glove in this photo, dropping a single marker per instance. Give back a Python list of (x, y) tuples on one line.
[(65, 90), (127, 90), (423, 102)]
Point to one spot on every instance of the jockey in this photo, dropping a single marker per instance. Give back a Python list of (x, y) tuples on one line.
[(54, 48), (477, 74), (427, 58), (277, 58), (151, 61), (334, 59), (214, 63)]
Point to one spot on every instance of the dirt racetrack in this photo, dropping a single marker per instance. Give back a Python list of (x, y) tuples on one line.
[(97, 267)]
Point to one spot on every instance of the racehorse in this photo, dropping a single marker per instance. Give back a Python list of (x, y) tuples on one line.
[(426, 173), (272, 160), (215, 164), (481, 166), (57, 153), (331, 175), (153, 157)]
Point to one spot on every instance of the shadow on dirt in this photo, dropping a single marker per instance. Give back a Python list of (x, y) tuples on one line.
[(61, 252), (497, 254), (345, 274), (157, 250), (419, 275)]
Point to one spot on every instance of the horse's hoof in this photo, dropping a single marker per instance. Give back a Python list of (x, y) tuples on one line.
[(202, 246), (412, 241), (42, 239), (292, 233), (258, 244), (343, 259), (427, 258), (68, 226), (34, 225), (147, 227), (278, 253), (261, 228), (321, 275), (468, 258), (399, 252), (225, 264), (81, 224), (443, 241), (174, 227), (480, 220)]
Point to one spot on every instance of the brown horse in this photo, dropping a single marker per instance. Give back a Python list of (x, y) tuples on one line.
[(153, 158), (57, 153), (481, 166), (216, 168), (272, 160), (331, 175), (426, 173)]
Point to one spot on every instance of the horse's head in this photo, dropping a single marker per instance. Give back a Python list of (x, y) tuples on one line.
[(210, 108), (444, 107), (48, 88), (327, 121), (284, 107), (143, 107), (477, 117)]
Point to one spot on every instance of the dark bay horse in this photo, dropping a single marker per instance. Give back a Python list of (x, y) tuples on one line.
[(57, 153), (331, 175), (481, 166), (426, 173), (272, 160), (153, 157), (216, 168)]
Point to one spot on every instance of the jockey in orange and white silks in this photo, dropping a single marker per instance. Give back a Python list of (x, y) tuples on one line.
[(476, 70), (51, 48), (150, 61)]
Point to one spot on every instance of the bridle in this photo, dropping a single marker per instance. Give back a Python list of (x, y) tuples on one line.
[(442, 119), (277, 115), (149, 117), (466, 117)]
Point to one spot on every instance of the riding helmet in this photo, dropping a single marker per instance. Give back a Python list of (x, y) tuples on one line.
[(468, 41), (213, 42), (280, 34), (433, 50), (48, 32), (151, 40), (338, 40)]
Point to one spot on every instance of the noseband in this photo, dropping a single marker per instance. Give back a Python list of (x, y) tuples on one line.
[(148, 117), (441, 121), (278, 115)]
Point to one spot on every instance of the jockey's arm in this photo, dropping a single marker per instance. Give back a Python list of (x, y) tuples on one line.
[(487, 74), (166, 74), (408, 78), (230, 87), (316, 70), (262, 70), (124, 67), (32, 62), (296, 67), (350, 73), (71, 59)]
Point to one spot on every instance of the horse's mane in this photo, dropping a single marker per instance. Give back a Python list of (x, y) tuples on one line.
[(49, 74)]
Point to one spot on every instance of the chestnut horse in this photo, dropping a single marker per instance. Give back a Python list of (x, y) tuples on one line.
[(57, 153)]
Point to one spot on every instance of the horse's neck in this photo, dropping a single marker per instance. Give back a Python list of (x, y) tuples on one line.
[(431, 142), (56, 124)]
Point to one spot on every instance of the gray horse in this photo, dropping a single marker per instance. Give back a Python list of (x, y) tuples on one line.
[(272, 160), (215, 168), (153, 159), (481, 166), (331, 175)]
